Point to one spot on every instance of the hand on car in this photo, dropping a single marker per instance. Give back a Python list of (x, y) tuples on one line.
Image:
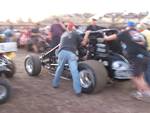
[(87, 32)]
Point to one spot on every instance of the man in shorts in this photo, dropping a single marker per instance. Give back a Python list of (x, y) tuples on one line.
[(137, 55)]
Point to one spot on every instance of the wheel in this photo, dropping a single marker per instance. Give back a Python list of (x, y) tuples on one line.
[(32, 65), (5, 91), (12, 68), (93, 76)]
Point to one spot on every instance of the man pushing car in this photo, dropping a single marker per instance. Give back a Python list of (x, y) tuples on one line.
[(70, 40)]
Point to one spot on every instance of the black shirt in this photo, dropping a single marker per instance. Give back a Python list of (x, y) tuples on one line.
[(70, 41), (129, 38), (94, 27)]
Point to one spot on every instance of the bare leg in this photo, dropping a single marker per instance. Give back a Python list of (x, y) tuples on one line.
[(140, 83), (35, 49)]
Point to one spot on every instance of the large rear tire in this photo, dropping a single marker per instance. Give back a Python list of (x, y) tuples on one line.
[(93, 76), (5, 91), (32, 65)]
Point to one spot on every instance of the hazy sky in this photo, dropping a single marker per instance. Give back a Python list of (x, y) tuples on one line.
[(39, 9)]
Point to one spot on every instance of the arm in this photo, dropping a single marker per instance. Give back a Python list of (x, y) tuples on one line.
[(111, 37), (85, 38), (63, 26), (141, 43)]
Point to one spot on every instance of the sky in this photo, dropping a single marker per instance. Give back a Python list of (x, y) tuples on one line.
[(40, 9)]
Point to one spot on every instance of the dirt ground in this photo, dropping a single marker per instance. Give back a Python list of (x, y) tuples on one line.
[(36, 95)]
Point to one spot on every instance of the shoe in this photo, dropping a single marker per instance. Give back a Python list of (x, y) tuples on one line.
[(146, 97), (142, 96), (55, 87), (78, 94), (137, 95)]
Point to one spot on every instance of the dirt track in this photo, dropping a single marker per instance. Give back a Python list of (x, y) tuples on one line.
[(36, 95)]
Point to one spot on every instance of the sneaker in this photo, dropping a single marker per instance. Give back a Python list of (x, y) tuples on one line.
[(55, 87), (142, 96), (137, 95), (78, 94), (146, 97)]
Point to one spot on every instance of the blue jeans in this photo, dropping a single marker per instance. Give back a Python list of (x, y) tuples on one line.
[(64, 57)]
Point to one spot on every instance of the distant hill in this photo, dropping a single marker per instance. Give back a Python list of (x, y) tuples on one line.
[(115, 19), (112, 19)]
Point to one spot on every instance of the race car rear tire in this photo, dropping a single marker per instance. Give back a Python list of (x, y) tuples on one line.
[(32, 65), (93, 76)]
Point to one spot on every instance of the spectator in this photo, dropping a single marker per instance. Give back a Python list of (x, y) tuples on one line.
[(143, 29), (137, 55), (47, 34), (115, 44), (35, 34), (9, 34), (67, 54), (57, 28), (24, 37), (94, 26)]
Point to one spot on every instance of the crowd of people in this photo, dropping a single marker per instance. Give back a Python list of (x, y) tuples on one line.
[(135, 39)]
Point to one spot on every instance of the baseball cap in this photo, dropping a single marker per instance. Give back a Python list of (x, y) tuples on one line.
[(131, 24)]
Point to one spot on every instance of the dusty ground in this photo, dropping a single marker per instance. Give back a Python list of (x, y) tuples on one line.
[(36, 95)]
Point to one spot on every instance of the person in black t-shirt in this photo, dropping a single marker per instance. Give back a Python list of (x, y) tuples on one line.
[(94, 26), (137, 54)]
